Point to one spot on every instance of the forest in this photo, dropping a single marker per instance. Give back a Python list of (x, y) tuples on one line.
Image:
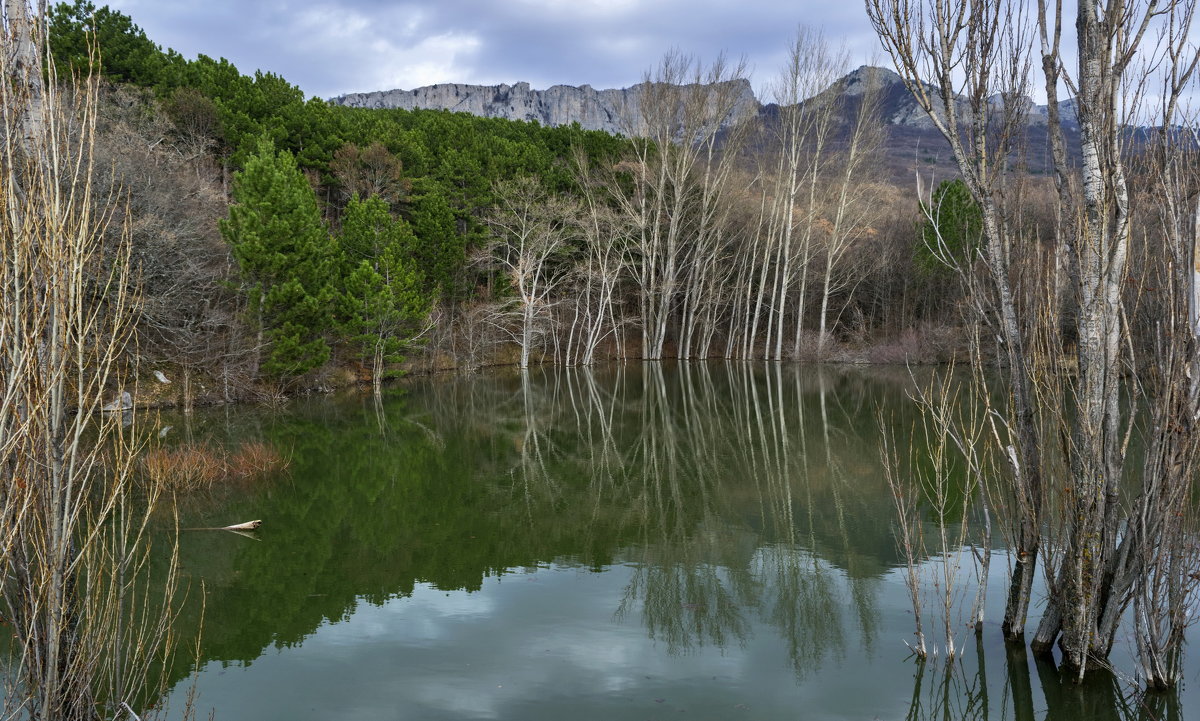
[(286, 243)]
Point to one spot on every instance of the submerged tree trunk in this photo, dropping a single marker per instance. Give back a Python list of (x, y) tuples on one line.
[(1105, 552)]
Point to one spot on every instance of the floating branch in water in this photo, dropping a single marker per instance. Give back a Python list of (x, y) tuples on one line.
[(247, 526)]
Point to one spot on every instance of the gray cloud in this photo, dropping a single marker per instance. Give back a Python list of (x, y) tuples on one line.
[(338, 46)]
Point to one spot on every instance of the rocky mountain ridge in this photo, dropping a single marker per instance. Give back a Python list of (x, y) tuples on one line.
[(613, 110), (913, 145)]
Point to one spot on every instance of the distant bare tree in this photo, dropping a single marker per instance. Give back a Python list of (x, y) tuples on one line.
[(851, 210), (682, 107), (188, 318), (373, 170), (606, 235), (801, 137), (530, 229)]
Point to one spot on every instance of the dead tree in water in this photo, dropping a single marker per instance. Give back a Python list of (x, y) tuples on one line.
[(931, 42), (966, 62)]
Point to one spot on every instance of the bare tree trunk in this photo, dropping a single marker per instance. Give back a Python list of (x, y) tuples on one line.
[(529, 228), (26, 38), (851, 208), (1106, 553), (188, 400), (981, 140)]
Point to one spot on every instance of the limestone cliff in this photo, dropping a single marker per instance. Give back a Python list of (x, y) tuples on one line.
[(614, 110), (608, 110)]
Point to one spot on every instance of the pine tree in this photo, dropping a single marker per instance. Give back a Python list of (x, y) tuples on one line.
[(440, 250), (953, 228), (383, 301), (125, 54), (286, 259)]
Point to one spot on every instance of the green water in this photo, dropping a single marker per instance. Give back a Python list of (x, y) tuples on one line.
[(640, 542)]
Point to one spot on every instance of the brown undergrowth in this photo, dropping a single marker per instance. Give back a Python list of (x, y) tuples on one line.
[(199, 466)]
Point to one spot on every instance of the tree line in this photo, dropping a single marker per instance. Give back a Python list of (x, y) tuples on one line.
[(752, 239)]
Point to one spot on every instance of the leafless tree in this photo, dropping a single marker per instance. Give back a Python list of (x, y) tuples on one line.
[(682, 108), (807, 121), (373, 170), (606, 235), (1102, 547), (531, 230), (188, 318), (851, 211), (967, 51), (74, 556)]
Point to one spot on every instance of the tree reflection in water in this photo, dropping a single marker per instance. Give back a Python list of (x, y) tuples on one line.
[(730, 505), (697, 575), (959, 691)]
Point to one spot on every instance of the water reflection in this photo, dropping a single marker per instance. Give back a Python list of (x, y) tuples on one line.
[(732, 515), (1029, 688)]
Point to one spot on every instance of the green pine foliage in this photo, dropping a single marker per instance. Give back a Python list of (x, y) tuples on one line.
[(368, 228), (296, 317), (124, 52), (384, 302), (286, 258), (440, 251), (953, 228)]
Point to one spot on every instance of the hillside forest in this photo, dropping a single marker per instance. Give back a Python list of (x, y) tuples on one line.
[(286, 243)]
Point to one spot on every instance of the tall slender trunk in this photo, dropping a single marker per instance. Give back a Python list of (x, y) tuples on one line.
[(1026, 459), (256, 359), (1101, 248)]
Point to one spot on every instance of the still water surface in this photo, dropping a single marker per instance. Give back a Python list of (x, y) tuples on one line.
[(653, 541)]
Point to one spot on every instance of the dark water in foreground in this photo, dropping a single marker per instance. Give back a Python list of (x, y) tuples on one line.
[(647, 542)]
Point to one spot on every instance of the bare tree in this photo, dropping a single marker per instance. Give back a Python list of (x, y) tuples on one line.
[(373, 170), (188, 314), (962, 49), (911, 537), (75, 541), (606, 235), (973, 51), (682, 107), (708, 271), (805, 127), (806, 206), (951, 429), (531, 230), (851, 209)]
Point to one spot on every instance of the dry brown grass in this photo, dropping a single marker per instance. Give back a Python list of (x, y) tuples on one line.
[(253, 459), (198, 466)]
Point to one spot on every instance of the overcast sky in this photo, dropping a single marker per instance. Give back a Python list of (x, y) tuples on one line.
[(331, 47)]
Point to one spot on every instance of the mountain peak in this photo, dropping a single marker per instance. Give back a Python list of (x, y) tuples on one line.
[(858, 80), (608, 109)]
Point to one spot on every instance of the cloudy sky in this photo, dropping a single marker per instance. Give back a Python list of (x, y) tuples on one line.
[(331, 47)]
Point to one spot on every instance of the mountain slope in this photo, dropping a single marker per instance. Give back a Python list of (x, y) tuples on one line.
[(913, 143)]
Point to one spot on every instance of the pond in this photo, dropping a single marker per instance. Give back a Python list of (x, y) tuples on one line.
[(650, 541)]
